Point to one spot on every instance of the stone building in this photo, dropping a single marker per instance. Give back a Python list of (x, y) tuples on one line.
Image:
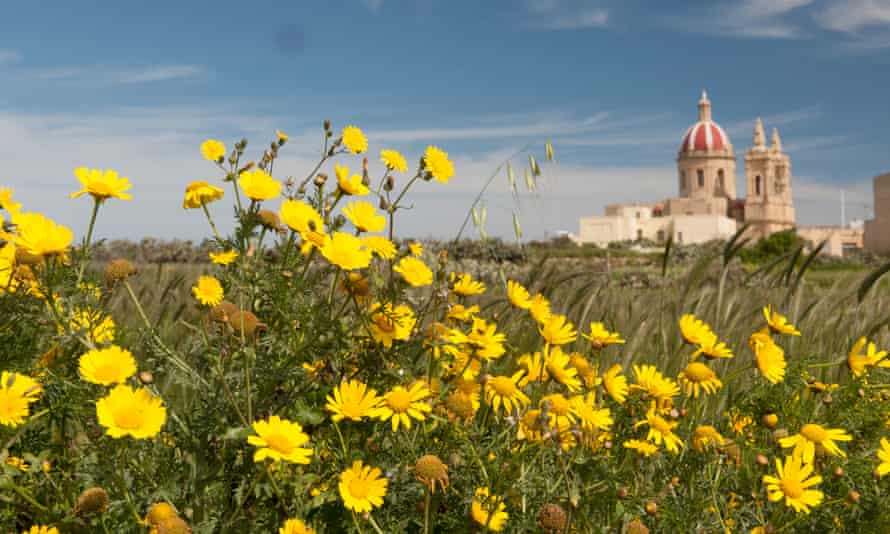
[(877, 230)]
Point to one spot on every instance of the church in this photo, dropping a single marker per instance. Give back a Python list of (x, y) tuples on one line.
[(707, 207)]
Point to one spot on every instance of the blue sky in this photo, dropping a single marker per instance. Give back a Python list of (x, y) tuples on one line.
[(613, 84)]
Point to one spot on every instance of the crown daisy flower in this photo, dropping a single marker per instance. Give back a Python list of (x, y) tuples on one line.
[(199, 194), (346, 252), (213, 150), (656, 385), (884, 456), (437, 164), (698, 376), (642, 447), (364, 217), (430, 471), (557, 330), (859, 363), (131, 412), (559, 410), (705, 437), (769, 357), (466, 286), (354, 140), (518, 295), (303, 219), (349, 185), (600, 337), (539, 308), (7, 202), (615, 384), (223, 257), (591, 418), (353, 400), (259, 185), (557, 367), (461, 313), (587, 372), (503, 391), (488, 510), (208, 291), (661, 430), (295, 526), (812, 435), (381, 246), (17, 392), (39, 235), (112, 365), (102, 185), (401, 404), (362, 488), (98, 327), (41, 529), (778, 323), (393, 160), (693, 330), (389, 324), (279, 439), (414, 271), (793, 483)]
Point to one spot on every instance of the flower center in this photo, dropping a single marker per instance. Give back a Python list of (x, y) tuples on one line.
[(398, 400), (107, 372), (503, 386), (697, 372), (279, 442), (659, 424), (358, 488), (792, 488), (384, 323), (558, 404), (814, 433), (128, 417)]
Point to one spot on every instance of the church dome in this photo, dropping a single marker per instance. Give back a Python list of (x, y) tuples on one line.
[(705, 135)]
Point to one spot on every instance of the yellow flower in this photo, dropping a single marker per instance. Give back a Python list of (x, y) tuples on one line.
[(400, 405), (280, 439), (484, 337), (539, 308), (739, 422), (656, 385), (380, 245), (362, 488), (295, 526), (354, 140), (557, 330), (706, 436), (393, 160), (661, 431), (346, 252), (859, 363), (504, 390), (208, 291), (459, 312), (41, 529), (414, 271), (559, 410), (534, 367), (105, 367), (41, 236), (642, 447), (17, 392), (101, 185), (711, 348), (349, 185), (259, 185), (586, 370), (431, 472), (884, 456), (17, 462), (224, 257), (305, 220), (591, 418), (489, 511), (128, 412), (518, 295), (353, 400), (466, 286), (615, 384), (811, 435), (213, 150), (601, 337), (793, 483), (436, 162), (416, 249), (779, 323), (7, 202), (389, 324), (694, 331), (199, 194), (364, 217), (769, 356), (698, 376), (557, 367), (100, 328), (282, 137)]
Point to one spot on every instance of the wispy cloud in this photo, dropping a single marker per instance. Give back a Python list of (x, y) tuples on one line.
[(8, 56), (548, 15), (865, 24), (747, 19), (112, 75), (373, 5)]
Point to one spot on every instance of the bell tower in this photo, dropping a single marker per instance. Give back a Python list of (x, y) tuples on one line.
[(769, 207)]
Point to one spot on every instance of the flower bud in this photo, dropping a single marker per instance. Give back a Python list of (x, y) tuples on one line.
[(852, 497), (146, 377), (762, 460), (320, 179), (651, 508), (92, 501), (552, 518), (770, 420)]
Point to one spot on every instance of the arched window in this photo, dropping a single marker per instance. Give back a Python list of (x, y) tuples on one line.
[(720, 181), (701, 178), (757, 184)]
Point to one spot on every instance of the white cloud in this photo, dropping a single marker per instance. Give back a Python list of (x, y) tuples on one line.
[(748, 18), (854, 15), (112, 75), (8, 56), (565, 15), (373, 5)]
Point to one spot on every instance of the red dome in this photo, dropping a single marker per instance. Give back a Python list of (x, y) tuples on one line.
[(705, 135)]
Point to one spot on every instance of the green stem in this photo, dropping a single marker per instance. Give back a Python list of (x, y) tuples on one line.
[(426, 512), (86, 243), (374, 524), (212, 224), (355, 522)]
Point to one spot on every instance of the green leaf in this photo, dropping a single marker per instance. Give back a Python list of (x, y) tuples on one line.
[(307, 415), (871, 279)]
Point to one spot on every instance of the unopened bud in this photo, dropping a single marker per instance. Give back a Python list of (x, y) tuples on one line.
[(651, 508), (327, 125), (827, 399), (837, 473), (622, 493), (384, 205), (146, 377), (389, 184), (770, 420), (320, 179), (852, 497), (762, 460)]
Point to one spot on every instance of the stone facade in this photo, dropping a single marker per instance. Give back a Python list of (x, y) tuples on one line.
[(769, 207), (839, 240), (877, 230)]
